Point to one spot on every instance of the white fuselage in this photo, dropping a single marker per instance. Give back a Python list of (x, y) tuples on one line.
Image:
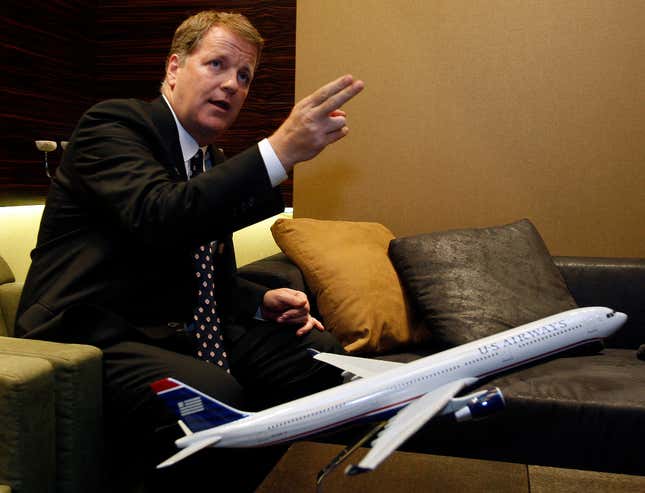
[(390, 390)]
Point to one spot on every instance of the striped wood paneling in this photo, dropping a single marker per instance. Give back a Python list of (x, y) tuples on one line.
[(63, 56)]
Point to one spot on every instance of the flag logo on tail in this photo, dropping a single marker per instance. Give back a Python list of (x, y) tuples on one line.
[(190, 406)]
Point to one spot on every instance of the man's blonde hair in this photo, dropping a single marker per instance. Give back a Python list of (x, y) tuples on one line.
[(192, 30)]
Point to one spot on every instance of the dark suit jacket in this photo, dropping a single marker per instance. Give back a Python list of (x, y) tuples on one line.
[(121, 219)]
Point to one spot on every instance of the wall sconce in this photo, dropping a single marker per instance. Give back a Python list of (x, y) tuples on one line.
[(46, 146), (49, 146)]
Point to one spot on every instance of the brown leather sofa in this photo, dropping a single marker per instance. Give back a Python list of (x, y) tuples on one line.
[(584, 410)]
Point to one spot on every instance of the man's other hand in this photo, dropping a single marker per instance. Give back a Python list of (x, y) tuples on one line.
[(315, 122), (289, 306)]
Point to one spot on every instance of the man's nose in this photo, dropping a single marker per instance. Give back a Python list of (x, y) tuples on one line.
[(230, 84)]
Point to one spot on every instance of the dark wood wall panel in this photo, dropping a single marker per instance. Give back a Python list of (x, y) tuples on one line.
[(47, 76), (77, 53)]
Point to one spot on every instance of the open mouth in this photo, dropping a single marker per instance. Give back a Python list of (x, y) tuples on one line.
[(221, 104)]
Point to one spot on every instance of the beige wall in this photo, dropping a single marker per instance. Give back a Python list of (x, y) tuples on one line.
[(18, 234), (482, 112)]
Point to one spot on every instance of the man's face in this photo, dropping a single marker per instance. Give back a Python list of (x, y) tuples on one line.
[(208, 87)]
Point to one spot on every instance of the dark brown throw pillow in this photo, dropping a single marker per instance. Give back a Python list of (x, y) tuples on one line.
[(471, 283)]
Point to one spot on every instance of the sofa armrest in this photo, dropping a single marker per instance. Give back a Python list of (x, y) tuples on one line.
[(28, 431), (9, 299), (276, 271), (617, 283), (78, 388)]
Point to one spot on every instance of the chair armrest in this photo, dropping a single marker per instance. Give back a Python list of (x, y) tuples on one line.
[(617, 283), (28, 431), (77, 370)]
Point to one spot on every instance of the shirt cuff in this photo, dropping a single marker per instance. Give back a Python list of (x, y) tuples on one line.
[(272, 163), (258, 314)]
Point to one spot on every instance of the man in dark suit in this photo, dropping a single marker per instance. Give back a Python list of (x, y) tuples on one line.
[(125, 213)]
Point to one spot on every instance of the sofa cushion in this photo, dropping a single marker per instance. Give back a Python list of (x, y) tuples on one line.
[(357, 290), (470, 283), (582, 412), (77, 373)]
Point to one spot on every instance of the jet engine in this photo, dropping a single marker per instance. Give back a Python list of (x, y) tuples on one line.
[(477, 405)]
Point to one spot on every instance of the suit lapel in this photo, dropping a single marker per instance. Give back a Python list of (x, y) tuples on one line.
[(167, 128), (225, 245)]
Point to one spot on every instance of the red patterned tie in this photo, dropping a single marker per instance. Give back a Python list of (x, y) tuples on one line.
[(206, 322)]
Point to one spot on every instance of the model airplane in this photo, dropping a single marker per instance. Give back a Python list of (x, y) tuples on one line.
[(409, 394)]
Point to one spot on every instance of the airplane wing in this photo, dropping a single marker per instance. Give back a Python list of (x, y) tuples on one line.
[(190, 450), (407, 421), (361, 367)]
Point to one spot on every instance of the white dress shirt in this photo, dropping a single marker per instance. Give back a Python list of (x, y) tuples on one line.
[(189, 147)]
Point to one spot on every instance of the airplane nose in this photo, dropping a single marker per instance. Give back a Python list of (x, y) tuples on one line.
[(617, 319), (622, 317), (614, 321)]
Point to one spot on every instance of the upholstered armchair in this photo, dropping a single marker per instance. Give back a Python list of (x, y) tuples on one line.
[(50, 408)]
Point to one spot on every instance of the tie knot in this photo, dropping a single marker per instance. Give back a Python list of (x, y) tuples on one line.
[(197, 163)]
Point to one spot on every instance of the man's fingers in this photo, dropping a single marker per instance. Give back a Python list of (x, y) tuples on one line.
[(318, 324), (285, 298), (335, 101), (296, 299), (335, 123), (294, 316), (312, 323), (336, 135), (314, 122), (325, 92)]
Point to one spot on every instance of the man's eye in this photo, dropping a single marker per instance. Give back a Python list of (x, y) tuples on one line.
[(216, 64), (245, 77)]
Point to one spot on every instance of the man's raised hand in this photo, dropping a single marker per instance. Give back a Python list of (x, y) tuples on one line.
[(315, 122)]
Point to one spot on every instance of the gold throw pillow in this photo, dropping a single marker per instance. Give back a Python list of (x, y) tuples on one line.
[(358, 292)]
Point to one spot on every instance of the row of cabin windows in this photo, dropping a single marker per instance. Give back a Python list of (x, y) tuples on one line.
[(431, 375), (306, 416)]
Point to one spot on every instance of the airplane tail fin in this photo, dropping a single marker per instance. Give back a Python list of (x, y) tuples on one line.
[(195, 409)]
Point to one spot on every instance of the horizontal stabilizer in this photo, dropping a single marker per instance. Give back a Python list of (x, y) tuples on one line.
[(183, 453)]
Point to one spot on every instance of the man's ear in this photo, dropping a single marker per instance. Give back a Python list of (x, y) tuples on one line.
[(171, 70)]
